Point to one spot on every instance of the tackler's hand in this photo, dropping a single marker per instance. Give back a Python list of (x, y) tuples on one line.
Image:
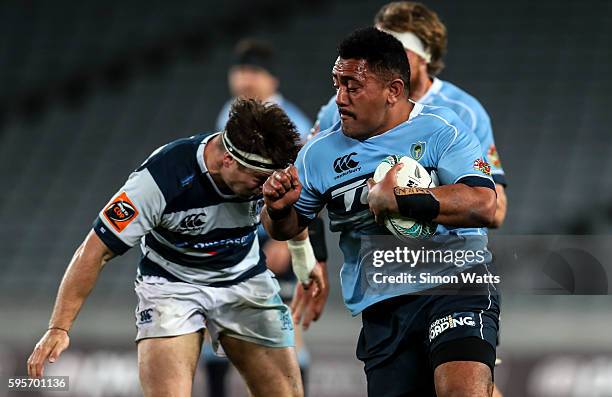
[(309, 300), (48, 349)]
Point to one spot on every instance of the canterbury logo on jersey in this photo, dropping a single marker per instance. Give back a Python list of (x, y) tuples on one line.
[(192, 222), (345, 163)]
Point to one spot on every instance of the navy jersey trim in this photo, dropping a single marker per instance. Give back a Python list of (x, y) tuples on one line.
[(109, 239), (327, 195), (500, 179), (147, 267), (173, 166), (223, 258), (208, 240), (477, 181)]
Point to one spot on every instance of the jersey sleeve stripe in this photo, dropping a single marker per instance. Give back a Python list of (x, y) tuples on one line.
[(476, 181), (500, 179), (109, 238)]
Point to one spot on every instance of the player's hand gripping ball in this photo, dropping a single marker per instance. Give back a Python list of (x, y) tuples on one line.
[(412, 174)]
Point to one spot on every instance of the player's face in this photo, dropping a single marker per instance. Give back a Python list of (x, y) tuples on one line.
[(251, 82), (243, 181), (361, 98)]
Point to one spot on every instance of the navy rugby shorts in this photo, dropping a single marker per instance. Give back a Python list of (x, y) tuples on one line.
[(403, 339)]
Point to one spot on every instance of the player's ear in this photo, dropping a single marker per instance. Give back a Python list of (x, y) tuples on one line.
[(396, 91), (228, 160)]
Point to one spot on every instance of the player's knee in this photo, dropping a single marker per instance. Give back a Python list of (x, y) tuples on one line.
[(462, 393), (476, 389), (463, 379)]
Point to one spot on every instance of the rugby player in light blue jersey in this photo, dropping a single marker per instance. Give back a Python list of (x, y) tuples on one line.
[(193, 207), (404, 344), (424, 38)]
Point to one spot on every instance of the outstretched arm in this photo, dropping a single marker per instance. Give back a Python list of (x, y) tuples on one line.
[(78, 281)]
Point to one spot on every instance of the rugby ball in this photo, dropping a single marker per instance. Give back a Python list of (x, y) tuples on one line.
[(412, 174)]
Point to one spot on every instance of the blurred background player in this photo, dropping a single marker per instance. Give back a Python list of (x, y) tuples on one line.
[(252, 76), (193, 206), (424, 38)]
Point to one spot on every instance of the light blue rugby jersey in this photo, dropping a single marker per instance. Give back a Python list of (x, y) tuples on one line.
[(302, 123), (333, 169), (443, 93)]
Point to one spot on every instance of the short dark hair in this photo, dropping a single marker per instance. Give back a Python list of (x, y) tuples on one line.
[(383, 52), (253, 52), (264, 129)]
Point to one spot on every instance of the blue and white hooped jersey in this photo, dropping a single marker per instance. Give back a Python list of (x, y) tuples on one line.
[(443, 93), (333, 170), (189, 230)]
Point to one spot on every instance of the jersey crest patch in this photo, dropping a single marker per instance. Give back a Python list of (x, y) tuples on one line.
[(482, 166), (417, 150), (120, 212)]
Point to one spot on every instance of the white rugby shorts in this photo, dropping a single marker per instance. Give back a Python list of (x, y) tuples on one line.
[(251, 310)]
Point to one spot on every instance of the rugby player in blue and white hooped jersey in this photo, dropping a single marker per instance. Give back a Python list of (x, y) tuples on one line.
[(193, 206), (403, 352), (424, 38), (253, 75)]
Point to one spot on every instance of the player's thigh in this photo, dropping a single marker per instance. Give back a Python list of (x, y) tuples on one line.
[(463, 379), (167, 365), (268, 371)]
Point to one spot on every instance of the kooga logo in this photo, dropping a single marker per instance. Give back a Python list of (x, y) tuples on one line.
[(345, 163)]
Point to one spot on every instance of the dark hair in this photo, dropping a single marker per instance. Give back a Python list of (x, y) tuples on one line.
[(383, 52), (264, 129), (408, 16), (256, 53)]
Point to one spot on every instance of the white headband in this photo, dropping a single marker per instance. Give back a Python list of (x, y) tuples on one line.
[(411, 42), (249, 160)]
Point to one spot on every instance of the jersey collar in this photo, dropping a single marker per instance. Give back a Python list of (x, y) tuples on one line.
[(200, 152), (434, 88), (416, 109), (202, 164)]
